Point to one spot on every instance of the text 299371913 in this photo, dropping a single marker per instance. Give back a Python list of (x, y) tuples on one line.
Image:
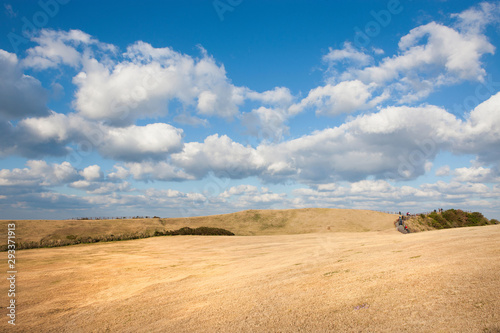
[(11, 272)]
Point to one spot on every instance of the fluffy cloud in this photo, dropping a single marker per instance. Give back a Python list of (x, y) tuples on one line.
[(480, 135), (476, 174), (279, 96), (347, 54), (430, 56), (118, 174), (142, 84), (239, 190), (156, 171), (39, 173), (152, 141), (382, 195), (475, 19), (269, 121), (459, 54), (220, 156), (20, 95), (394, 143), (62, 47), (141, 142), (92, 173), (345, 97)]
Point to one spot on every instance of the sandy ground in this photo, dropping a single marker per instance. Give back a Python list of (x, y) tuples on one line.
[(378, 281)]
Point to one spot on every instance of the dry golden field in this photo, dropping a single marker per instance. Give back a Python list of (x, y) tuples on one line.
[(376, 280), (245, 223)]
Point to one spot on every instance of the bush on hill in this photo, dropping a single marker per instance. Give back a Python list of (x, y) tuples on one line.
[(451, 218), (74, 239)]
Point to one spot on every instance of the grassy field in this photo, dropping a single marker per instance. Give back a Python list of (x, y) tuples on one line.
[(250, 222), (371, 281)]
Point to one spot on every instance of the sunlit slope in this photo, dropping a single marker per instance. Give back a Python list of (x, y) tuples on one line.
[(436, 281), (293, 221), (249, 222)]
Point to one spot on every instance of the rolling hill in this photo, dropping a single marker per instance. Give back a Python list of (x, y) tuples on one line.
[(245, 223)]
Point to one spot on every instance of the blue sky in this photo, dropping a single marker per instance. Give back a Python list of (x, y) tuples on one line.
[(184, 108)]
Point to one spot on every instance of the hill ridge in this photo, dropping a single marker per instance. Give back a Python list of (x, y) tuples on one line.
[(243, 223)]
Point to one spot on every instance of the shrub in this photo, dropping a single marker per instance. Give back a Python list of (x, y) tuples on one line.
[(438, 221), (476, 218), (73, 239), (455, 218)]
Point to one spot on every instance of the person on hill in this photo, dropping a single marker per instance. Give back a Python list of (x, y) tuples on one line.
[(406, 229)]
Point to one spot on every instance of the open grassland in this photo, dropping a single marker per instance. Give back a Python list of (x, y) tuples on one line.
[(435, 281), (250, 222)]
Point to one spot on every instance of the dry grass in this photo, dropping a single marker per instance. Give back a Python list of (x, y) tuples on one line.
[(250, 222), (436, 281)]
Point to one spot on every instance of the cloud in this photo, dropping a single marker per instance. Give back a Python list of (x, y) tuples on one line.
[(394, 143), (430, 56), (119, 173), (476, 175), (92, 173), (132, 143), (476, 18), (218, 155), (269, 121), (443, 171), (146, 79), (348, 54), (57, 48), (99, 188), (382, 195), (194, 121), (459, 54), (239, 190), (345, 97), (456, 190), (397, 143), (162, 170), (39, 173), (480, 134), (118, 89), (279, 96), (251, 197), (20, 95)]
